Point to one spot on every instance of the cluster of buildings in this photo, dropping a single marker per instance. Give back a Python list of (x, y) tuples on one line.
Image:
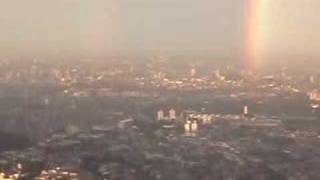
[(76, 79), (57, 173), (14, 175), (187, 82), (171, 115), (129, 151), (194, 120), (191, 120)]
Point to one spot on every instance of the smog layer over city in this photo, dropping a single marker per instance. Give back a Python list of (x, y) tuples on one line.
[(159, 90)]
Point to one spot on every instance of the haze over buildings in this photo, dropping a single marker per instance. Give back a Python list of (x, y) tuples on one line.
[(159, 89)]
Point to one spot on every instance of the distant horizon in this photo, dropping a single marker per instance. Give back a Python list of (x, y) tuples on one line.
[(282, 28)]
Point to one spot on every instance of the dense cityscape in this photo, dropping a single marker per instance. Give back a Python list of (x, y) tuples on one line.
[(157, 118), (159, 90)]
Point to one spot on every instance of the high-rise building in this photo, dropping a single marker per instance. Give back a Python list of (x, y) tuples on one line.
[(193, 72), (194, 126), (245, 111), (160, 115), (191, 126), (187, 127), (172, 114)]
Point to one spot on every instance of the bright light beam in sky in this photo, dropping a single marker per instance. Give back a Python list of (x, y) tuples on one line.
[(255, 15)]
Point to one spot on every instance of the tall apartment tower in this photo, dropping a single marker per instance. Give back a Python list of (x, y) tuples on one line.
[(160, 115), (245, 111), (172, 114)]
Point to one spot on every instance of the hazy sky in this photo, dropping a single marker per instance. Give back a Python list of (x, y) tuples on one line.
[(104, 26)]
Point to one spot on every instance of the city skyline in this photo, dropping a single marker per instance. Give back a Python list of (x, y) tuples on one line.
[(159, 90)]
